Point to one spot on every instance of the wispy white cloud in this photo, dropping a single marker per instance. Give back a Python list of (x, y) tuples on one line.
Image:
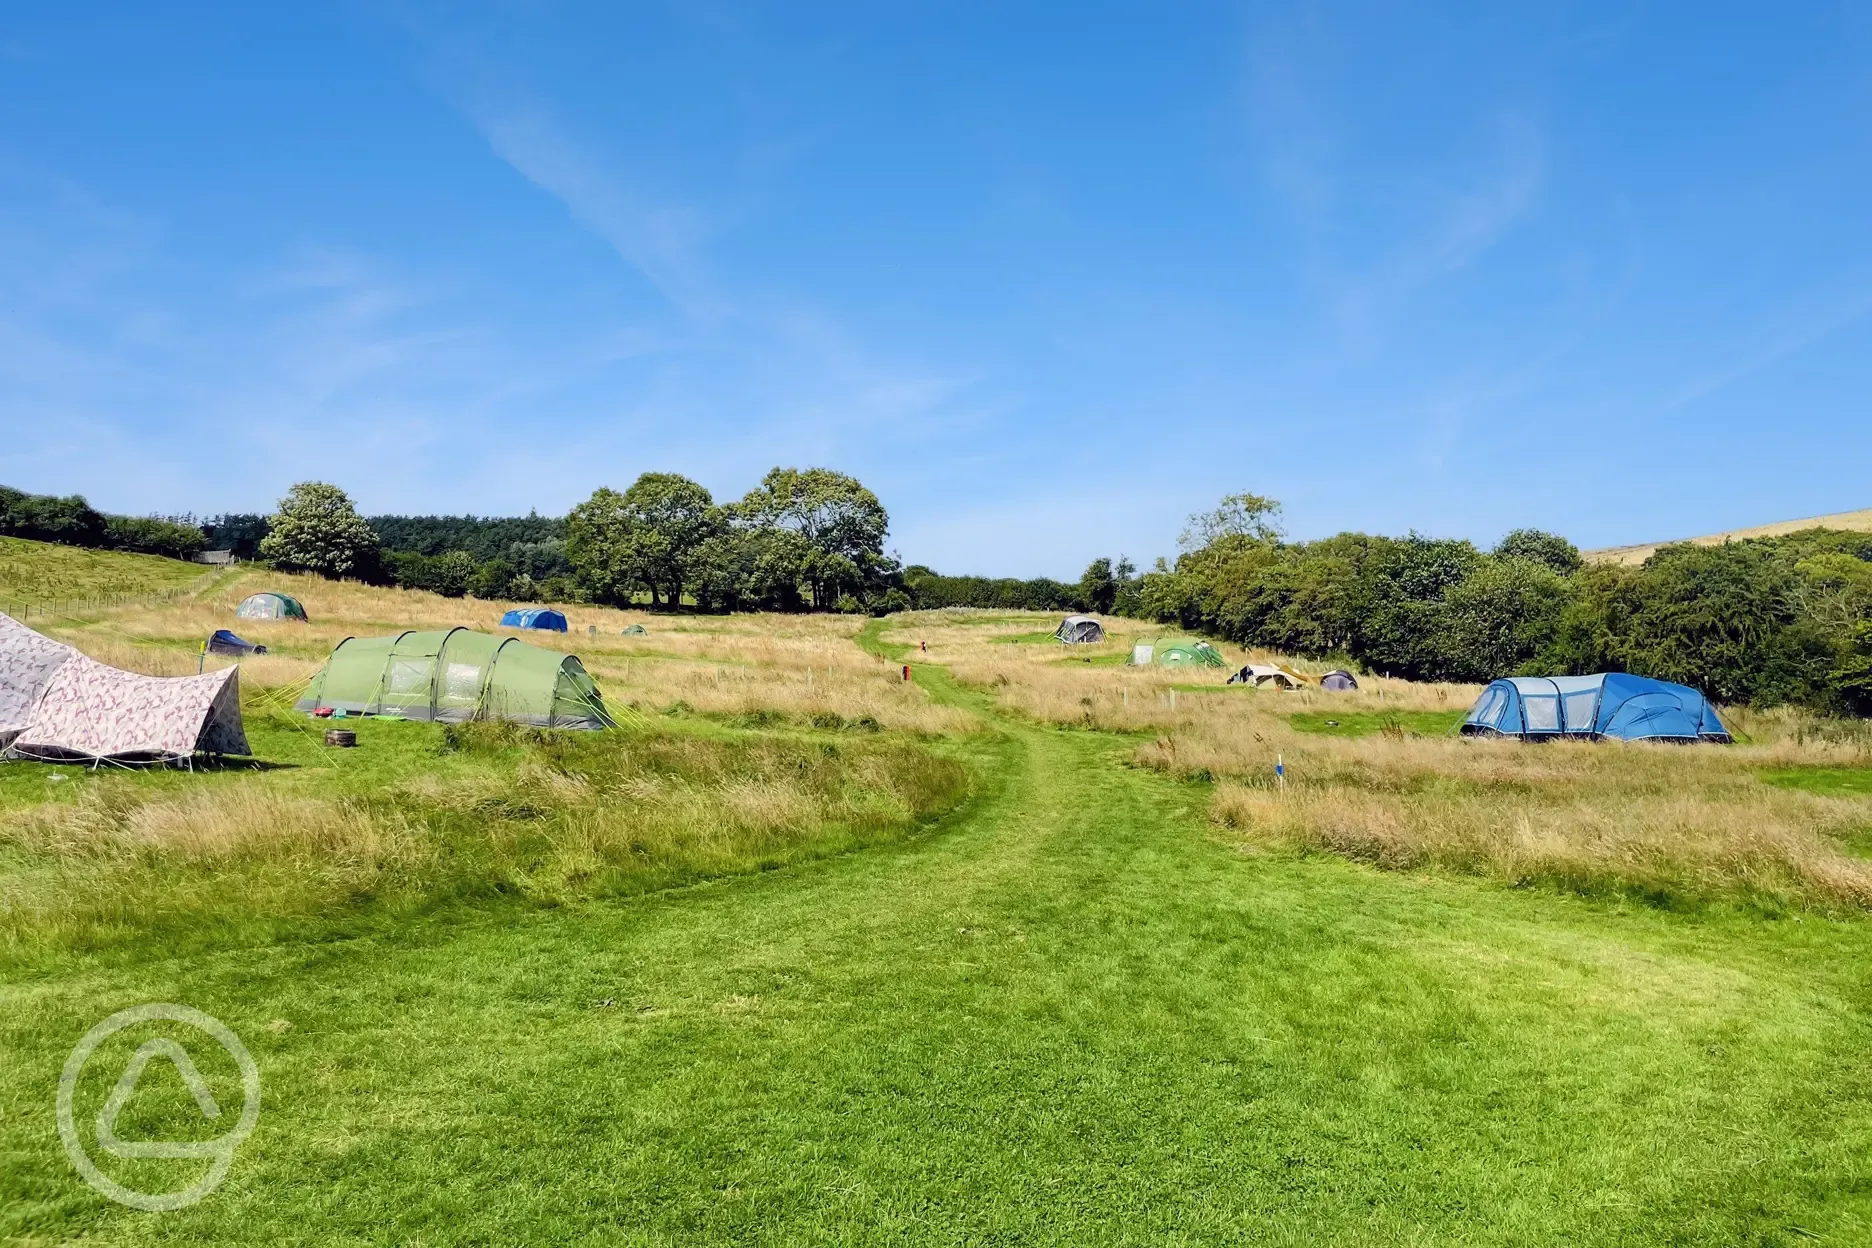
[(1797, 331), (659, 236)]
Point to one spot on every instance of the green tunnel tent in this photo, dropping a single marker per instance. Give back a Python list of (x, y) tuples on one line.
[(454, 676)]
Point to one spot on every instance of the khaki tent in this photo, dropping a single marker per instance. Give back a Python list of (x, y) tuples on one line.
[(58, 704), (454, 676), (1267, 676)]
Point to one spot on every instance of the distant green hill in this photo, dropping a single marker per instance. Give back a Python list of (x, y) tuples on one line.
[(39, 572)]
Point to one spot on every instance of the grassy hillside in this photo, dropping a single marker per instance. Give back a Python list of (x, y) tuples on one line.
[(1018, 951), (1852, 521), (38, 572)]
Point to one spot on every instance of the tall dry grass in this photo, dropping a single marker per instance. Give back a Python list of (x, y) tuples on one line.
[(802, 666), (548, 816), (1089, 686), (1678, 822), (1730, 838)]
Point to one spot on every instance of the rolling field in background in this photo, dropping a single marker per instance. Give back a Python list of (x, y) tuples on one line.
[(1032, 948), (1851, 521), (36, 573)]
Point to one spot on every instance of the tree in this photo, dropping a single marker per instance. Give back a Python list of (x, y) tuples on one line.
[(1399, 603), (646, 536), (43, 518), (1098, 588), (599, 547), (1549, 549), (493, 579), (451, 572), (1502, 615), (842, 524), (1249, 517), (668, 516), (316, 529)]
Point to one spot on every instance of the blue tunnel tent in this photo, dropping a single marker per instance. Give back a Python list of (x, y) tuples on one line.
[(1612, 705), (535, 617)]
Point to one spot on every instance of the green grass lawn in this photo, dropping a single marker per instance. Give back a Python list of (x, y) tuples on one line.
[(1066, 1014), (1826, 781), (35, 572), (1366, 723)]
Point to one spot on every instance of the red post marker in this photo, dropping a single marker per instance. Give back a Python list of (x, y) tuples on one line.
[(906, 671)]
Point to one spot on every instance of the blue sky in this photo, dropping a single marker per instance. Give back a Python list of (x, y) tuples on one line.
[(1046, 276)]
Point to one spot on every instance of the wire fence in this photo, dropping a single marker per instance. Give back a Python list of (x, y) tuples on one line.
[(26, 611)]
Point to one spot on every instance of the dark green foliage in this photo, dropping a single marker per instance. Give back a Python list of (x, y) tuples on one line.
[(1766, 621), (1098, 588), (151, 536), (484, 537), (447, 574), (493, 579), (42, 518), (241, 533), (934, 590), (1536, 546), (841, 526), (71, 521)]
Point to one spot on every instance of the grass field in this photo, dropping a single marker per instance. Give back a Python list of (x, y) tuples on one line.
[(1029, 954), (34, 573)]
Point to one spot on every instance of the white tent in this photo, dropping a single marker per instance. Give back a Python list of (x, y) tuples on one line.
[(56, 703), (1076, 629)]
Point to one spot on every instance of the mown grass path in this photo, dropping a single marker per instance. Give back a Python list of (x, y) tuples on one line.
[(1067, 1017)]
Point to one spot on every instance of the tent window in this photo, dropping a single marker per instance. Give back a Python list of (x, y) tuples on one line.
[(1493, 703), (1579, 710), (462, 682), (1542, 711), (409, 676)]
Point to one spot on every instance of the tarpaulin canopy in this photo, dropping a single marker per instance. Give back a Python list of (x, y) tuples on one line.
[(454, 676), (535, 617), (56, 703), (1613, 705), (270, 606)]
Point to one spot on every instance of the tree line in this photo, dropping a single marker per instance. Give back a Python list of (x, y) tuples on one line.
[(1764, 621), (71, 521)]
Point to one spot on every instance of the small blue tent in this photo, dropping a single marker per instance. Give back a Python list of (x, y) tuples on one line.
[(224, 642), (535, 617), (1612, 704)]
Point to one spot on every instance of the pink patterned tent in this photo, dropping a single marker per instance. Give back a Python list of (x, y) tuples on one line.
[(56, 703)]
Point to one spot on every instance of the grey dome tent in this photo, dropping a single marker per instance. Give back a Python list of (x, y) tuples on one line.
[(1078, 630), (1338, 681), (1611, 705)]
